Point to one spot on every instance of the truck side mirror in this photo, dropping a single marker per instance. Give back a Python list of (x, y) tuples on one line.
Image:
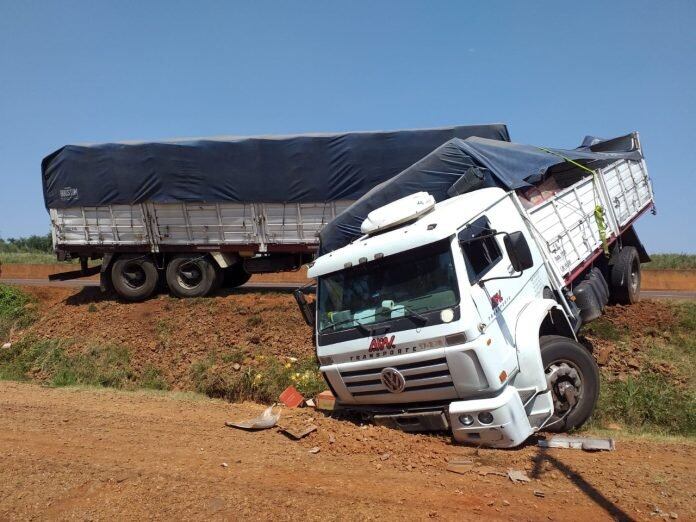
[(518, 251), (307, 309)]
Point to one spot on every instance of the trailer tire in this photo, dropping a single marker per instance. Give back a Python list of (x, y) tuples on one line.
[(134, 277), (190, 275), (570, 368), (236, 276), (625, 276)]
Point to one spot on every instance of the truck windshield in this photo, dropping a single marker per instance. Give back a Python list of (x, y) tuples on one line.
[(408, 284)]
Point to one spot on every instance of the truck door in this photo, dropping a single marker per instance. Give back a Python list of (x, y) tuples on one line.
[(493, 290)]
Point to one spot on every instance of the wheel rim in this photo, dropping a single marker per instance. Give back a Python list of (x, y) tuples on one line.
[(565, 380), (635, 276), (189, 275), (134, 275)]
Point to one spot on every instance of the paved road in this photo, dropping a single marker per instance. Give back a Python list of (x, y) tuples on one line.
[(81, 283), (288, 287)]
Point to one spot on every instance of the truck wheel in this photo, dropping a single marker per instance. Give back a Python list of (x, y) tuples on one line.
[(573, 377), (625, 276), (236, 276), (190, 275), (134, 277)]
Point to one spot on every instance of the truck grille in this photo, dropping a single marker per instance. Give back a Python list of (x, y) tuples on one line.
[(432, 374)]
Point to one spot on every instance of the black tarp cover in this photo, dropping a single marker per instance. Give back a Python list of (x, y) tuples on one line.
[(508, 165), (272, 169)]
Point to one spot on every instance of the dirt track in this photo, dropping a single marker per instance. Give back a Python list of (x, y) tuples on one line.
[(101, 454)]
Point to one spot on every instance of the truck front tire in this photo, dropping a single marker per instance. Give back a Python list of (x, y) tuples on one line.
[(573, 377), (134, 277), (625, 276), (191, 275)]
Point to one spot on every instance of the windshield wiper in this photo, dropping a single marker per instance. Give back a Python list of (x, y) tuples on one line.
[(358, 325), (414, 313)]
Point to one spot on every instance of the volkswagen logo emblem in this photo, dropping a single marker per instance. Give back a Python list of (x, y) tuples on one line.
[(393, 380)]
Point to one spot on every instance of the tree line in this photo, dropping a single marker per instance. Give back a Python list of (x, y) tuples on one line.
[(33, 244)]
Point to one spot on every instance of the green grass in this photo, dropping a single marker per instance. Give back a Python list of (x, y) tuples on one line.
[(28, 258), (262, 382), (671, 261), (660, 398), (48, 362), (17, 310)]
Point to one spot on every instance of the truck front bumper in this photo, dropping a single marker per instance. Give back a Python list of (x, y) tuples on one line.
[(499, 422)]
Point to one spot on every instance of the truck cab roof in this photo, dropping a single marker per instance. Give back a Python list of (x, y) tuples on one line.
[(441, 222)]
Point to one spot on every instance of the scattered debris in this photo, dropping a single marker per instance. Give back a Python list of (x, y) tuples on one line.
[(6, 346), (585, 443), (291, 397), (310, 403), (487, 470), (315, 450), (224, 464), (506, 503), (460, 466), (539, 494), (517, 476), (673, 515), (300, 433), (332, 439), (237, 366), (325, 400), (384, 456), (266, 420)]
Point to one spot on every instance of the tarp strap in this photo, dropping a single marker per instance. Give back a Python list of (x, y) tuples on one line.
[(598, 210)]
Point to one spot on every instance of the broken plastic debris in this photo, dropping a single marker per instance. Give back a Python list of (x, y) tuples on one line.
[(310, 403), (299, 433), (315, 450), (266, 420), (516, 476), (585, 443), (291, 397)]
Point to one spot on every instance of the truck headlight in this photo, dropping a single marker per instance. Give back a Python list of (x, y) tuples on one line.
[(485, 417), (466, 419)]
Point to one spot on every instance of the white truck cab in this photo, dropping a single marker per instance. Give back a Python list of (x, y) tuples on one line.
[(443, 309)]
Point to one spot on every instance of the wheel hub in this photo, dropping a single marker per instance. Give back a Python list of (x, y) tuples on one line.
[(190, 275), (566, 385), (134, 276)]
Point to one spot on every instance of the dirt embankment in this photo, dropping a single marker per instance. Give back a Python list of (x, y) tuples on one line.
[(171, 334), (82, 454)]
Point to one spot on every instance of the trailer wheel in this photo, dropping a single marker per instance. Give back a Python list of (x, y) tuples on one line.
[(134, 277), (573, 377), (236, 276), (190, 275), (625, 276)]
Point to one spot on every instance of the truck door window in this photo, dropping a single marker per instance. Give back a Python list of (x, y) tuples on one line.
[(480, 252)]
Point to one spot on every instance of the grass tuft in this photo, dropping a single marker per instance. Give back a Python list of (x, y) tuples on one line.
[(262, 382), (17, 310)]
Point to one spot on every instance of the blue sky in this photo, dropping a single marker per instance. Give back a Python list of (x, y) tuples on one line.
[(553, 71)]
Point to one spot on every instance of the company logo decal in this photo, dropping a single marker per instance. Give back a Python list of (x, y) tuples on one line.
[(381, 343), (393, 380), (67, 193)]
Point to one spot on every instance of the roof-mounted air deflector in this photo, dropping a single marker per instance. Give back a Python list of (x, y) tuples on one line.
[(397, 212)]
